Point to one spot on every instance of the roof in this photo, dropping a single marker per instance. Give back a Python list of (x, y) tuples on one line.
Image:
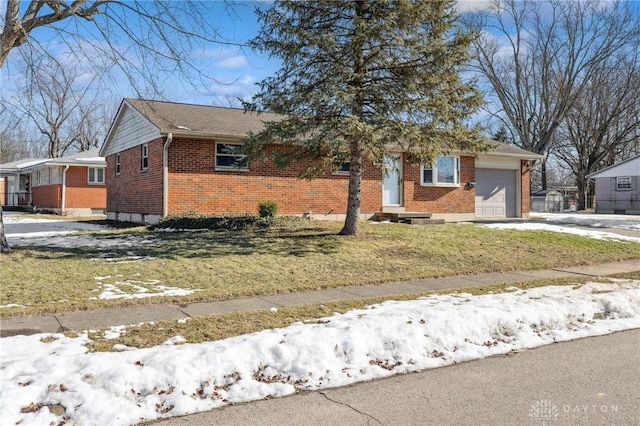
[(200, 120), (206, 121), (628, 167), (503, 150), (13, 166), (85, 158)]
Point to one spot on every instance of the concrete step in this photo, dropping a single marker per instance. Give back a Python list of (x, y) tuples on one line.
[(401, 216), (419, 221)]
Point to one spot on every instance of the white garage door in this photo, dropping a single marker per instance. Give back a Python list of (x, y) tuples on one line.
[(495, 193)]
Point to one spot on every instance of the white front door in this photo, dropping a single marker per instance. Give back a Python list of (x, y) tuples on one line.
[(392, 180)]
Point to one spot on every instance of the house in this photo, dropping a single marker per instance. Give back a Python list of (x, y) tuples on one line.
[(72, 185), (618, 187), (15, 186), (169, 158)]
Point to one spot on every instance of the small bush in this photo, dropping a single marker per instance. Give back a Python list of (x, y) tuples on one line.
[(267, 209), (215, 222)]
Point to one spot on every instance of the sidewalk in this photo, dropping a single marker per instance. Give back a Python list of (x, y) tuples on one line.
[(158, 312)]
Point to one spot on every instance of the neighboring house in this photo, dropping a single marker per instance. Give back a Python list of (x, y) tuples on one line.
[(72, 185), (618, 187), (15, 185), (169, 158)]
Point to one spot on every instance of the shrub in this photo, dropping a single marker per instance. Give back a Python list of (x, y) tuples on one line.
[(267, 209), (214, 222)]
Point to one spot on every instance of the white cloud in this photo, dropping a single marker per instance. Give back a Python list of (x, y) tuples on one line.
[(234, 62), (473, 5)]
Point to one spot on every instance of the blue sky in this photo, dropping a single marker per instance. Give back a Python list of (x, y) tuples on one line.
[(235, 69)]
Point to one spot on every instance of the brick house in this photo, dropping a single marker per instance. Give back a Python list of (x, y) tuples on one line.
[(72, 185), (171, 158)]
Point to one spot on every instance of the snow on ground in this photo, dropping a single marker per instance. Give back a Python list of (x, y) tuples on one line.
[(567, 224), (26, 230), (53, 379), (625, 222), (134, 289)]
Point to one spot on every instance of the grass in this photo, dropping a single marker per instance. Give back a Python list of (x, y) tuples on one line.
[(221, 326), (298, 257)]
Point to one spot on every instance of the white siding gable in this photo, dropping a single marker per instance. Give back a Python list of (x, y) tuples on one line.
[(129, 130), (627, 168)]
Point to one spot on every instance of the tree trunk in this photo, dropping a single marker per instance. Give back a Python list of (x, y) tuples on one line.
[(582, 194), (355, 179), (4, 245), (543, 175)]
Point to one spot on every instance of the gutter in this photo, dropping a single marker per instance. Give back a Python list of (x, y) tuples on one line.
[(64, 190), (165, 175)]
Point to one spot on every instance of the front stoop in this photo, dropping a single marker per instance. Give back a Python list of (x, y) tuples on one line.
[(411, 218)]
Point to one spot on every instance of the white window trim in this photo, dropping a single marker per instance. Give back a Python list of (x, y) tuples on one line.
[(95, 174), (627, 180), (118, 165), (434, 173), (227, 168), (144, 154)]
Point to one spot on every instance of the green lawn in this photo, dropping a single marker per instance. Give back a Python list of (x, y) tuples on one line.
[(301, 256)]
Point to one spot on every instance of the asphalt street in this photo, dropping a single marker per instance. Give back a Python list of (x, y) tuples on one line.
[(592, 381)]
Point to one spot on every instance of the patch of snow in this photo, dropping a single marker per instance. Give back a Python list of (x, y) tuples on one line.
[(121, 388), (535, 226), (25, 230), (12, 305), (137, 290), (626, 222)]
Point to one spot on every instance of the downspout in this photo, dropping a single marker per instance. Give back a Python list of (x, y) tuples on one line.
[(64, 189), (165, 175)]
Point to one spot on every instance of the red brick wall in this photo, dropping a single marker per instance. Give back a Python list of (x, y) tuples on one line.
[(439, 199), (135, 190), (525, 187), (47, 196), (195, 185), (80, 194)]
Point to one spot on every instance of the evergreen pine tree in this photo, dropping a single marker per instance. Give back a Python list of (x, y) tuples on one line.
[(361, 78)]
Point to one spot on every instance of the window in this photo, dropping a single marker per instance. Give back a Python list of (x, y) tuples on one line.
[(38, 178), (96, 176), (24, 183), (341, 168), (623, 183), (227, 157), (445, 172), (145, 156), (117, 164)]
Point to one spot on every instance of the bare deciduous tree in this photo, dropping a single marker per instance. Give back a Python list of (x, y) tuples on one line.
[(142, 38), (54, 103), (539, 56), (604, 122)]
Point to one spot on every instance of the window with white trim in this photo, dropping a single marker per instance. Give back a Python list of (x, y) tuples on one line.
[(24, 183), (96, 176), (145, 156), (444, 172), (228, 157), (117, 164), (623, 183)]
